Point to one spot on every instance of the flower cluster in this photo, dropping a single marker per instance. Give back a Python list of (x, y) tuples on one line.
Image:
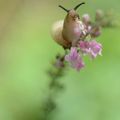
[(91, 48), (87, 45)]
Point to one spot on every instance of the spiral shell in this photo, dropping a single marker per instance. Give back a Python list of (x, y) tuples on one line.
[(57, 34)]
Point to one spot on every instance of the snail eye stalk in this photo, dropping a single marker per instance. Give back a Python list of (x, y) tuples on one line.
[(63, 8), (76, 7)]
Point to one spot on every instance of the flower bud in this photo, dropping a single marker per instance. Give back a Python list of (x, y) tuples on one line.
[(86, 19), (99, 15), (95, 31), (59, 62)]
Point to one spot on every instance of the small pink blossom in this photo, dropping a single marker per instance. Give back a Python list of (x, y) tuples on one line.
[(91, 48), (74, 59)]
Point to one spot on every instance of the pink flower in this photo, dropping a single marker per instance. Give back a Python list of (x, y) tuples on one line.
[(91, 48), (74, 59)]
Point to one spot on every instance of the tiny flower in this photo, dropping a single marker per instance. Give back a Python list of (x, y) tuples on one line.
[(82, 28), (74, 59), (91, 48), (73, 55), (86, 19), (84, 47), (96, 48)]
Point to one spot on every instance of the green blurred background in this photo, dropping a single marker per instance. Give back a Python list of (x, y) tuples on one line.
[(26, 49)]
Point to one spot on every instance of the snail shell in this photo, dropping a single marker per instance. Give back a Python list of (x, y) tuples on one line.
[(57, 34)]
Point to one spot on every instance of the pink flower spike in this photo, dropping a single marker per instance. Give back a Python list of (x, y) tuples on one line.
[(74, 59), (91, 48)]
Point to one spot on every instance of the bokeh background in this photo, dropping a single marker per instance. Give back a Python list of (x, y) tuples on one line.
[(26, 49)]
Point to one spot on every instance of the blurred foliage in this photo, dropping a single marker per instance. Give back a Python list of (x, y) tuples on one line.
[(26, 49)]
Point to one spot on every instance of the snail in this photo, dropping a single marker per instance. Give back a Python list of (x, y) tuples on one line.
[(67, 32)]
